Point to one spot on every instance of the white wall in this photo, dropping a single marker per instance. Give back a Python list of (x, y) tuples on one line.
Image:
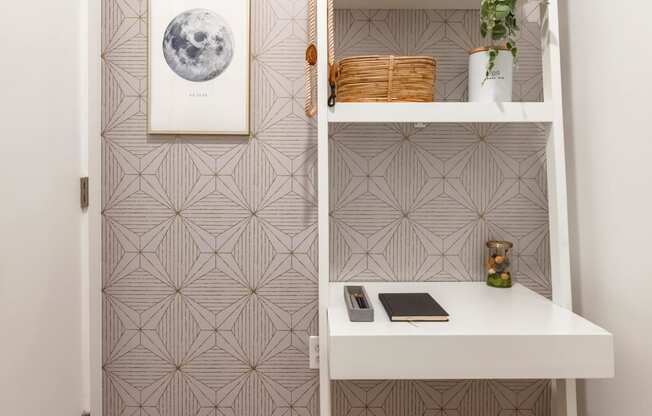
[(40, 216), (607, 64)]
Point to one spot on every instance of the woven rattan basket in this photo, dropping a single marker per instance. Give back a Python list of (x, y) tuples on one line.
[(385, 79)]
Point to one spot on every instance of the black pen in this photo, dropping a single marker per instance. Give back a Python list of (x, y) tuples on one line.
[(362, 302)]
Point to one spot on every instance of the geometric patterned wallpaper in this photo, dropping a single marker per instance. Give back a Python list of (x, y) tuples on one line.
[(418, 203), (442, 398), (210, 283), (447, 35), (210, 245)]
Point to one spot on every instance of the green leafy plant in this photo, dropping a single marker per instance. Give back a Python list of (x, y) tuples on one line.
[(498, 25)]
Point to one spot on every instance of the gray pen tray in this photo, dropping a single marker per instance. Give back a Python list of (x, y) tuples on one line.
[(356, 312)]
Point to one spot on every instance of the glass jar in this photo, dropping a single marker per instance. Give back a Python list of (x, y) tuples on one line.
[(498, 264)]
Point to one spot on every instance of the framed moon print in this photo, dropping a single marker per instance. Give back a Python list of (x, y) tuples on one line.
[(199, 67)]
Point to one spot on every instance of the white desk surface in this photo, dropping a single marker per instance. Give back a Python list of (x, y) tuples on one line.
[(527, 335), (474, 309)]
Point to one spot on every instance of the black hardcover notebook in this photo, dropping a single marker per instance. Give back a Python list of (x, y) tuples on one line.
[(412, 307)]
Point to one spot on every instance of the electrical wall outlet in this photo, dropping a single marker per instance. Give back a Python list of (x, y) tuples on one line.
[(313, 353)]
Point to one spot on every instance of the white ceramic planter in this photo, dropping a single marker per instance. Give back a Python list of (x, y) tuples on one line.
[(498, 86)]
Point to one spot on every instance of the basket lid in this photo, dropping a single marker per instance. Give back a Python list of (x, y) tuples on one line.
[(361, 57)]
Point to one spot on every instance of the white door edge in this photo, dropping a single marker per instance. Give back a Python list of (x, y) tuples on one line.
[(91, 141)]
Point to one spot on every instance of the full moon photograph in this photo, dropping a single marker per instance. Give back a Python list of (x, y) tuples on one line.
[(198, 45)]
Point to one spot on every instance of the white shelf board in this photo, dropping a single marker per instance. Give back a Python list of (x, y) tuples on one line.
[(441, 112), (407, 4), (492, 334)]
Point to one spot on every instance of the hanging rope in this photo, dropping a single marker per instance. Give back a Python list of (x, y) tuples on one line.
[(332, 66), (311, 59), (331, 32)]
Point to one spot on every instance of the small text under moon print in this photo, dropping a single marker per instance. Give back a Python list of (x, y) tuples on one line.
[(198, 94)]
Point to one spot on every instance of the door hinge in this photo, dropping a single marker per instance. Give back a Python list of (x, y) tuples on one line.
[(83, 192)]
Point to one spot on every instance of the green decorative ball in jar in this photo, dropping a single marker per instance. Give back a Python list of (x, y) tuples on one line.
[(498, 264)]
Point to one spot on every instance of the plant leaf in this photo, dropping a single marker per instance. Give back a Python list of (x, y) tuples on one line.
[(499, 32), (502, 11)]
